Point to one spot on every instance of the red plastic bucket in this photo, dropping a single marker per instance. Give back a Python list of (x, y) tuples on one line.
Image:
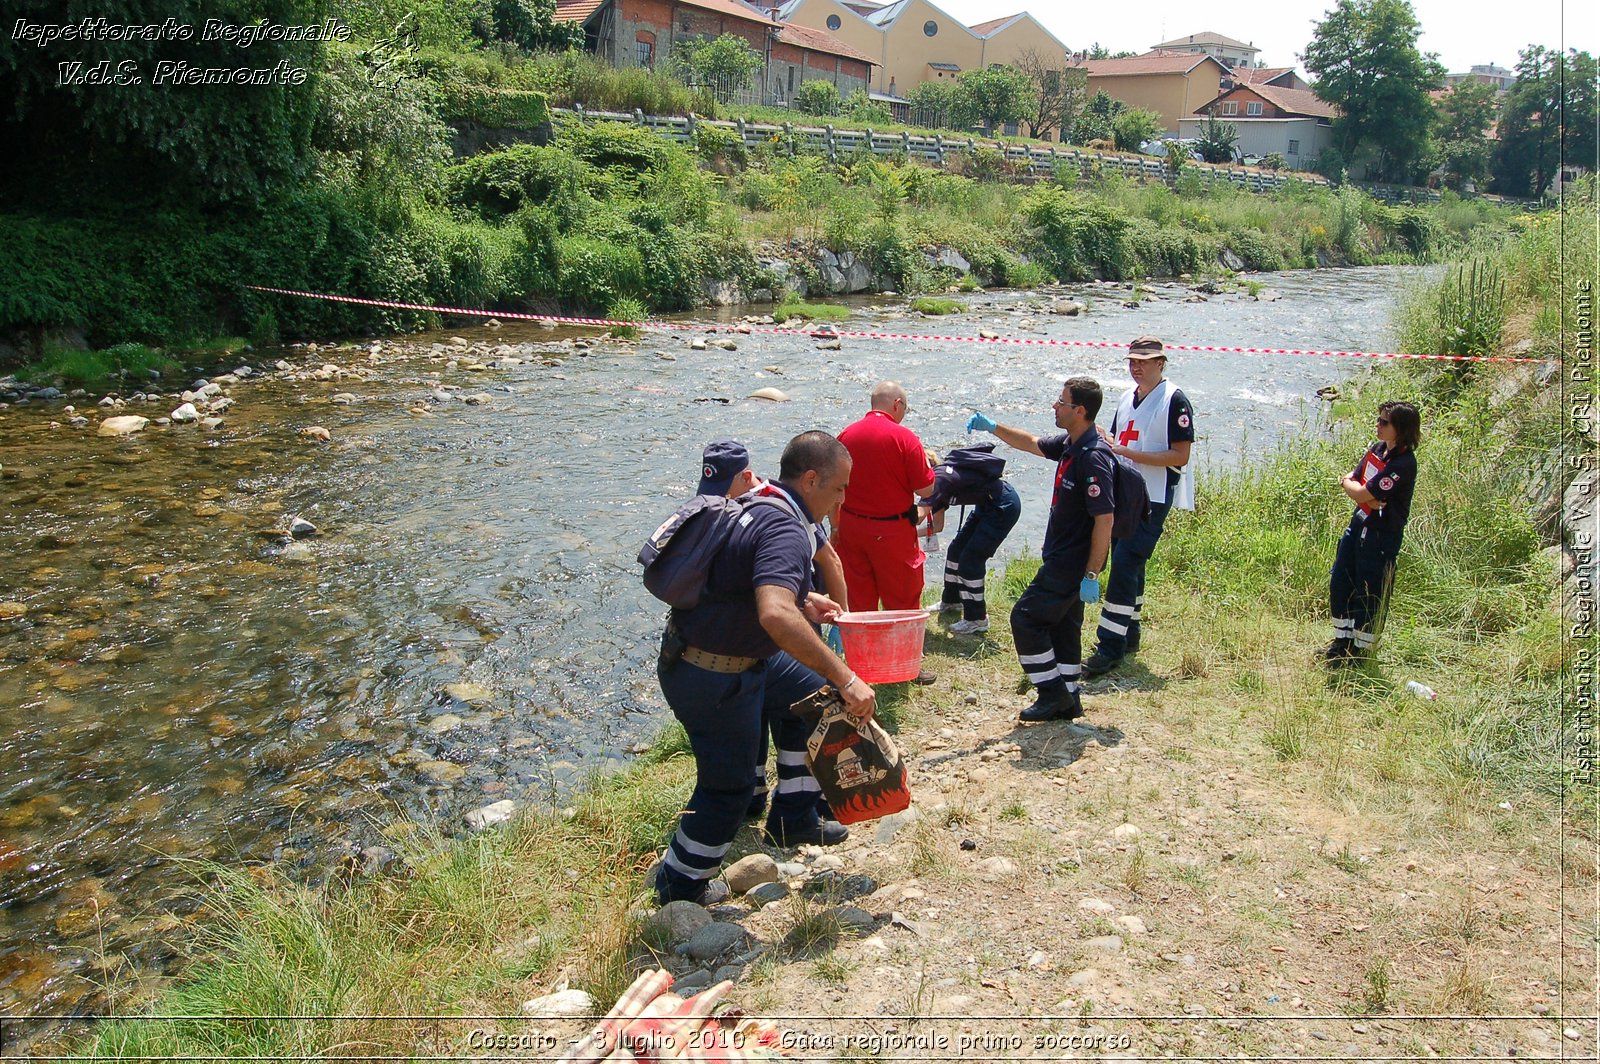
[(883, 647)]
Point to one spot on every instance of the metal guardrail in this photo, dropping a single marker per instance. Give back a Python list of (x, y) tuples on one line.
[(1028, 161)]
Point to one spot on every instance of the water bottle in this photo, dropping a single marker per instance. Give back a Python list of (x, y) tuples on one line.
[(930, 538), (1421, 690)]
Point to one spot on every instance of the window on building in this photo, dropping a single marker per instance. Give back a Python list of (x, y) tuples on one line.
[(1230, 107), (834, 22), (791, 81), (930, 28), (1294, 147), (1252, 108), (645, 48)]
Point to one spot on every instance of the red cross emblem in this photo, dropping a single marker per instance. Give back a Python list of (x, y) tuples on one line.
[(1129, 434)]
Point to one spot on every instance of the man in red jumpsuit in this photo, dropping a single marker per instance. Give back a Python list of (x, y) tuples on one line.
[(877, 533)]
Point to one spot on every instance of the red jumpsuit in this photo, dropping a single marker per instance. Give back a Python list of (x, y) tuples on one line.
[(877, 541)]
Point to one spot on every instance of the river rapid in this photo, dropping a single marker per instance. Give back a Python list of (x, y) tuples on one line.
[(468, 625)]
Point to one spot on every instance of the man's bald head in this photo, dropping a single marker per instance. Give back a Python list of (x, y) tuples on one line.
[(890, 398)]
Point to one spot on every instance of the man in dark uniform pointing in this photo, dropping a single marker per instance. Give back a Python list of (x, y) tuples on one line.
[(1047, 621), (754, 618)]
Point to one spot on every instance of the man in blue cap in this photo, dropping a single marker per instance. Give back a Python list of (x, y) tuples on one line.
[(725, 470), (719, 658)]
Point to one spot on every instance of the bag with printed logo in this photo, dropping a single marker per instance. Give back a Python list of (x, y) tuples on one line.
[(859, 769)]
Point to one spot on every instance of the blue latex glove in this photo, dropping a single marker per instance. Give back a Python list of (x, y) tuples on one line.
[(834, 640), (1089, 590), (980, 423)]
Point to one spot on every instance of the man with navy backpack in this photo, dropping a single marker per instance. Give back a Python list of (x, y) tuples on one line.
[(1047, 621), (1153, 427), (714, 666), (725, 470)]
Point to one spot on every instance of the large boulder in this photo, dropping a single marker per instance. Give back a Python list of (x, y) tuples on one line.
[(857, 275), (721, 292), (951, 259), (125, 425)]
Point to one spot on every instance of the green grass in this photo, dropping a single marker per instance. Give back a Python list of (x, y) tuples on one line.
[(810, 312), (90, 368), (471, 924), (627, 309), (933, 305)]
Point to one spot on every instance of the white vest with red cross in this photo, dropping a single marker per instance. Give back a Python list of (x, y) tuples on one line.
[(1145, 429)]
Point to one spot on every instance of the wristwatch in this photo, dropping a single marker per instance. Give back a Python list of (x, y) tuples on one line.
[(1091, 575)]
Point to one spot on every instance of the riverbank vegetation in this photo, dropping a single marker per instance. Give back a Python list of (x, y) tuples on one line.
[(1237, 615), (146, 224)]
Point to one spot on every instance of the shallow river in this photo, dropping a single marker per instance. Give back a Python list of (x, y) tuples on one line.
[(178, 688)]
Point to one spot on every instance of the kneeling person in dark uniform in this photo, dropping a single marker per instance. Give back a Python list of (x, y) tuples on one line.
[(718, 660)]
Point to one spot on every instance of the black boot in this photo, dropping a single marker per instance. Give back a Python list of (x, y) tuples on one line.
[(1339, 652), (1054, 703)]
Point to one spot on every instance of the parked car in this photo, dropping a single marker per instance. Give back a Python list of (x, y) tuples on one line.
[(1160, 148)]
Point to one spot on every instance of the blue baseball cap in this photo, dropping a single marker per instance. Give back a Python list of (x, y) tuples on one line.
[(722, 461)]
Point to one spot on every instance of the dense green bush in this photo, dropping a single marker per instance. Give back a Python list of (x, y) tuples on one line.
[(1256, 249), (498, 183), (1077, 237), (817, 97), (1166, 251), (495, 108)]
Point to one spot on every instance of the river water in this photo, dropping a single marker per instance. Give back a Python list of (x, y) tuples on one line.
[(181, 687)]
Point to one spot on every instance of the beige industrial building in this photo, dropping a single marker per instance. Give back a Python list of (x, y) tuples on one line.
[(913, 41)]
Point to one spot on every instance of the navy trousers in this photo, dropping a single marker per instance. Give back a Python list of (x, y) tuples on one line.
[(1047, 626), (721, 712), (794, 801), (967, 556), (1363, 569), (1124, 598), (724, 715)]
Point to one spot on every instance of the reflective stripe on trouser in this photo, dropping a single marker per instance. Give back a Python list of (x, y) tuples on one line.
[(1119, 614), (968, 554), (1363, 569), (882, 562), (721, 712), (1047, 627), (794, 800)]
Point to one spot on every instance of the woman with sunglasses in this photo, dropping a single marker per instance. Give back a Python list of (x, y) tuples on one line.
[(1381, 486)]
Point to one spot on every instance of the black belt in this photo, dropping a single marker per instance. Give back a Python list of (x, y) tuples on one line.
[(902, 516)]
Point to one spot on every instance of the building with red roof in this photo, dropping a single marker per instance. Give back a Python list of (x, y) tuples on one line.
[(1270, 119), (642, 33)]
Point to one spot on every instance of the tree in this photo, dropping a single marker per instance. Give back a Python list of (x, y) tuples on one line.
[(1058, 94), (993, 97), (817, 97), (1549, 111), (529, 24), (933, 103), (1365, 59), (1094, 121), (1462, 118), (83, 142), (726, 65), (1134, 126), (1217, 140), (1100, 51)]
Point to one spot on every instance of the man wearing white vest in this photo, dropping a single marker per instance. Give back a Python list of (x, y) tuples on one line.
[(1153, 428)]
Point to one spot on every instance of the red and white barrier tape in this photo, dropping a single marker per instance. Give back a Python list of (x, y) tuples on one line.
[(832, 333)]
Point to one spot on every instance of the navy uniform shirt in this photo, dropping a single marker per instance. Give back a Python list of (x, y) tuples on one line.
[(1083, 486), (1392, 486), (769, 546)]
